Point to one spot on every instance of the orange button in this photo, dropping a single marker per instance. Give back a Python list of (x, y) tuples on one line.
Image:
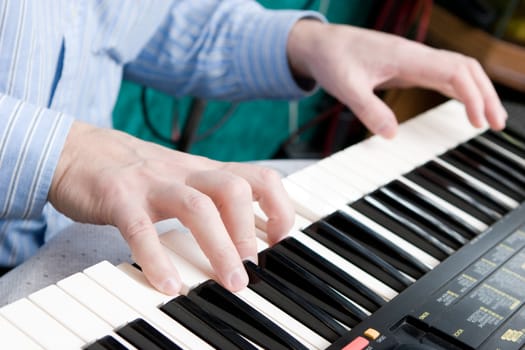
[(371, 334), (358, 343)]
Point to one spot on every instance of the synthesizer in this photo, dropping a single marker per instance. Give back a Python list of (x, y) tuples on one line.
[(412, 243)]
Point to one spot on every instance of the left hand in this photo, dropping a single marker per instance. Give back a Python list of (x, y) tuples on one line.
[(350, 63)]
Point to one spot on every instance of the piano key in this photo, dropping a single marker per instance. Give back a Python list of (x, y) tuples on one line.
[(332, 257), (330, 274), (311, 287), (143, 336), (399, 223), (132, 288), (314, 207), (294, 304), (13, 338), (41, 327), (378, 244), (353, 251), (239, 315), (74, 316), (318, 176), (439, 225), (485, 174), (502, 199), (478, 205), (509, 141), (465, 223), (493, 168), (491, 202), (195, 269), (344, 173), (505, 166), (501, 151), (106, 343), (214, 330), (104, 304)]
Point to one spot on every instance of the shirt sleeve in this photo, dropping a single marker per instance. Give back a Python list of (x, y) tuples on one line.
[(31, 141), (232, 49)]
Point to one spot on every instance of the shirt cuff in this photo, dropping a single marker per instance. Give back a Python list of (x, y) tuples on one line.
[(32, 141), (262, 59)]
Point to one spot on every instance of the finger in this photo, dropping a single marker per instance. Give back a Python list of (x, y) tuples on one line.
[(232, 196), (466, 90), (273, 199), (372, 111), (493, 109), (141, 236), (199, 214)]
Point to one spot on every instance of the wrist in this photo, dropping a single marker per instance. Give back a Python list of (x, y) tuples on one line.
[(303, 43)]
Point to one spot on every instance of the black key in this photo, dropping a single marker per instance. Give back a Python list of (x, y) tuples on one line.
[(210, 328), (504, 170), (484, 173), (508, 140), (376, 243), (247, 321), (439, 227), (417, 228), (489, 204), (106, 343), (142, 335), (507, 166), (330, 274), (292, 303), (440, 212), (357, 254), (420, 239), (440, 186), (515, 164), (310, 287)]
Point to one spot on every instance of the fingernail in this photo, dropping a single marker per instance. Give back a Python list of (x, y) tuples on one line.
[(171, 286), (387, 130), (238, 279)]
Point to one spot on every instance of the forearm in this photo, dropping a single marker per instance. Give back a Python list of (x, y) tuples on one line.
[(235, 50)]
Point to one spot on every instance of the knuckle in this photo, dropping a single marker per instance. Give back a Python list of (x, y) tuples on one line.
[(136, 229), (196, 203), (269, 176), (236, 187)]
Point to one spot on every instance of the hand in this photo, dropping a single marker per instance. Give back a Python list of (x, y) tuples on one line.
[(350, 63), (108, 177)]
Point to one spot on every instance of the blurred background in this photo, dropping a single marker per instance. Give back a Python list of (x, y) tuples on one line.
[(492, 31)]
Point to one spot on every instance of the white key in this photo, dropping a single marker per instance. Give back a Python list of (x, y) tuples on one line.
[(336, 169), (500, 197), (319, 178), (13, 338), (184, 247), (42, 328), (73, 315), (446, 206), (98, 300), (306, 203), (130, 286)]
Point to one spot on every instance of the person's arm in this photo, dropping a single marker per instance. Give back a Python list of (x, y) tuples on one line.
[(231, 50), (31, 140), (351, 63)]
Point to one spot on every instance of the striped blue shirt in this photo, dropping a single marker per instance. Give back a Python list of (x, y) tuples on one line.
[(62, 60)]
